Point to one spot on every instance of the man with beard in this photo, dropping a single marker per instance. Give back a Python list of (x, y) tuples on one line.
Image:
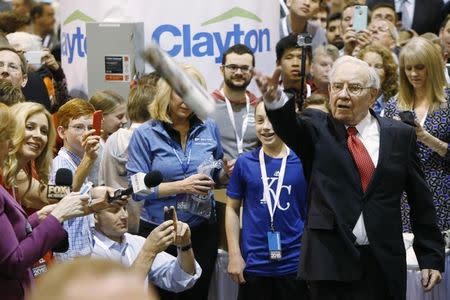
[(235, 106), (13, 66), (42, 22), (334, 34)]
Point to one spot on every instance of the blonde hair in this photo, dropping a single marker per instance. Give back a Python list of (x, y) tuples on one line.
[(140, 98), (106, 101), (420, 50), (327, 50), (159, 108), (21, 112), (317, 99), (7, 125), (62, 281)]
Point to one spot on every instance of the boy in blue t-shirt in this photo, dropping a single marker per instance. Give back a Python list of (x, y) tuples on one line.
[(270, 182)]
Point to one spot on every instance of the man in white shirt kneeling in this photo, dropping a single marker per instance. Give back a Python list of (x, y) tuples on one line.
[(111, 240)]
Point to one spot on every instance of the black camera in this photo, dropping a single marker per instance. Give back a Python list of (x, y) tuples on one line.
[(304, 40), (118, 194)]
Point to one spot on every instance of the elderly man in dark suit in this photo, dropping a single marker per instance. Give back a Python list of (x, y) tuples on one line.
[(358, 165)]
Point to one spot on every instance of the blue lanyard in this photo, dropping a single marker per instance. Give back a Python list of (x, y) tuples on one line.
[(184, 164)]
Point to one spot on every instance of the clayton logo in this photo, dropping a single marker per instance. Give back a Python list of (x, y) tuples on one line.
[(203, 43), (72, 43)]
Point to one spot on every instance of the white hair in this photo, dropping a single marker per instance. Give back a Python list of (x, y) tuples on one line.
[(24, 41), (374, 79)]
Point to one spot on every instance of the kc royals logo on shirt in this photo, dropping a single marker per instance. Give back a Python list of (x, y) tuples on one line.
[(272, 181)]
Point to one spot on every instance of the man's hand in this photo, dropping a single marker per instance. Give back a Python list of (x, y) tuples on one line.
[(90, 144), (45, 211), (268, 86), (49, 60), (71, 206), (99, 195), (160, 238), (236, 267), (430, 278), (350, 40), (183, 236), (421, 133), (363, 38)]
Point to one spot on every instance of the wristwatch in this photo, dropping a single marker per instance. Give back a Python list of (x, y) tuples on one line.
[(185, 248)]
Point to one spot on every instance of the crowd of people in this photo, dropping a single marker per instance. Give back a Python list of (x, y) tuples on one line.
[(345, 149)]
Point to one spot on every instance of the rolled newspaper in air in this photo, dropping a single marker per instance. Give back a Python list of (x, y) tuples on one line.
[(192, 93)]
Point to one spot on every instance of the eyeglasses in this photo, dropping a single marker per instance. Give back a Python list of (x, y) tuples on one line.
[(235, 68), (80, 127), (354, 89)]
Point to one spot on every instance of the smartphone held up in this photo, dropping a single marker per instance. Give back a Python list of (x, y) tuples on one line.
[(171, 214), (97, 122), (360, 18)]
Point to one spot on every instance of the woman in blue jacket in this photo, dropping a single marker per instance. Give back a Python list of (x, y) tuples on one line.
[(176, 142)]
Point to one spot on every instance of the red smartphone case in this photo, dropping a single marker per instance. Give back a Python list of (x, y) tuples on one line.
[(97, 121)]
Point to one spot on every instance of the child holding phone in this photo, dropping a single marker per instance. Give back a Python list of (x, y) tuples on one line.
[(78, 154)]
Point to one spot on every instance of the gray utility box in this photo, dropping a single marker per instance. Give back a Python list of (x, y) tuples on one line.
[(114, 56)]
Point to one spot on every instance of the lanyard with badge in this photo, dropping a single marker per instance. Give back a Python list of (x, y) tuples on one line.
[(239, 140), (273, 237), (184, 164)]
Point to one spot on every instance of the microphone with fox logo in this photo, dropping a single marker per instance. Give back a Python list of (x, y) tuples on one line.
[(62, 186)]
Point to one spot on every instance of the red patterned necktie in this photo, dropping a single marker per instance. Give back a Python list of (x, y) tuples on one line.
[(361, 157)]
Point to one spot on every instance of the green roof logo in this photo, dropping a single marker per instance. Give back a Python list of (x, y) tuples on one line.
[(234, 12), (78, 15)]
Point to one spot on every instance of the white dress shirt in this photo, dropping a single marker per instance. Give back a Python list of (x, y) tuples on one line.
[(406, 7), (369, 134), (165, 272)]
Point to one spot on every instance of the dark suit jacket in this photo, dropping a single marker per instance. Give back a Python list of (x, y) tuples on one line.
[(336, 199), (19, 247), (36, 91), (427, 14)]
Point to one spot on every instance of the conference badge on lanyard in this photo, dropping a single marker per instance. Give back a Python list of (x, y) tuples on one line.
[(273, 236)]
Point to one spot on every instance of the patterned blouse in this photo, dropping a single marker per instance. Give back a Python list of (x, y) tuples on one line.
[(435, 167)]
